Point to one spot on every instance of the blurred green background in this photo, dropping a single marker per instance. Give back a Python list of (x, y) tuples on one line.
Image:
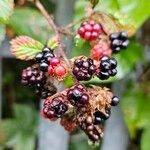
[(21, 107)]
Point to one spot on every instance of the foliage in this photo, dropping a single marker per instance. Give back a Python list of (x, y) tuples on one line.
[(20, 131), (6, 9), (28, 21), (135, 104), (25, 48)]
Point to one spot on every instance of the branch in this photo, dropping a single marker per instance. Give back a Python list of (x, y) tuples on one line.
[(54, 28), (47, 16)]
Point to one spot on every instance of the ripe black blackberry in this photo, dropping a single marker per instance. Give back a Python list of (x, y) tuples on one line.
[(44, 57), (86, 122), (33, 76), (45, 90), (77, 96), (100, 117), (115, 101), (84, 69), (119, 41), (55, 108), (107, 68)]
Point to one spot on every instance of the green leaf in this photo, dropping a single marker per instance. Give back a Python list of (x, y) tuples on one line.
[(128, 58), (52, 43), (136, 109), (137, 10), (6, 9), (81, 47), (25, 48), (20, 131), (25, 142), (30, 22), (2, 32), (145, 144), (7, 129), (68, 81)]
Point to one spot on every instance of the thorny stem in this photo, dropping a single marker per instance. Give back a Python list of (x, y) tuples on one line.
[(54, 28), (57, 31)]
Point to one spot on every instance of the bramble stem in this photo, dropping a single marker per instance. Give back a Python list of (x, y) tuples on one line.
[(57, 32), (54, 28)]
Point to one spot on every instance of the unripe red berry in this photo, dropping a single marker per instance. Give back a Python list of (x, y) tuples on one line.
[(87, 35), (55, 61), (89, 30), (81, 31), (100, 50), (60, 70), (51, 70)]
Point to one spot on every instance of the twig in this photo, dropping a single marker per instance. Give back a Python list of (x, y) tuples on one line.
[(46, 15), (54, 28)]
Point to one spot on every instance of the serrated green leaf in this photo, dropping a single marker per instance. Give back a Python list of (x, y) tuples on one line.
[(6, 9), (52, 43), (30, 22), (25, 48), (2, 32)]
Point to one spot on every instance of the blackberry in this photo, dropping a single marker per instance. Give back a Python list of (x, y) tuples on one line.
[(55, 108), (33, 76), (100, 117), (119, 41), (43, 58), (77, 96), (107, 68), (84, 69), (86, 122), (44, 90), (115, 101)]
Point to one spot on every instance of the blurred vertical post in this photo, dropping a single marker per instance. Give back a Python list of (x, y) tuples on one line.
[(116, 133), (0, 87), (51, 135)]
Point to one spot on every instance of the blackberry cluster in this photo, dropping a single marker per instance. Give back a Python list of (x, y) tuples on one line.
[(107, 68), (45, 91), (86, 123), (84, 69), (99, 117), (77, 96), (32, 76), (43, 58), (119, 41), (55, 108)]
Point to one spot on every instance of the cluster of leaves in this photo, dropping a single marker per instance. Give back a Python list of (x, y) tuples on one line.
[(20, 131)]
